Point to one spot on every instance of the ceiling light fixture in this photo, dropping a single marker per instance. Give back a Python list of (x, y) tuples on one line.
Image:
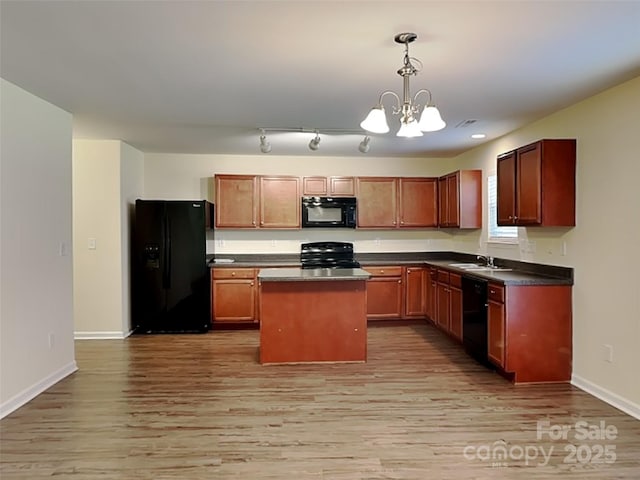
[(315, 142), (364, 144), (265, 146), (430, 120)]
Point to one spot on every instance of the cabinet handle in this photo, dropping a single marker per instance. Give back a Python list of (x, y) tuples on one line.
[(252, 284), (381, 271), (402, 222), (253, 223), (394, 222), (233, 274), (510, 217), (399, 281), (408, 271), (492, 291)]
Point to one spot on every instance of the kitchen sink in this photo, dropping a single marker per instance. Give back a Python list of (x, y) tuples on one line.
[(487, 269), (475, 267)]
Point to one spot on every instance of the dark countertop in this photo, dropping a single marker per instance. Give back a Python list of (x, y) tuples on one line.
[(312, 274), (521, 273)]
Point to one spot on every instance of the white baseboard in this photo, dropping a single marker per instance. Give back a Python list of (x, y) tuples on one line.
[(33, 391), (115, 335), (615, 400)]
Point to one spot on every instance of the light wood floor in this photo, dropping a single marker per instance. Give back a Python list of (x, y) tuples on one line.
[(201, 407)]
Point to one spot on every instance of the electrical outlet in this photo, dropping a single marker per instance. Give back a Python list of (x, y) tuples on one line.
[(51, 340), (608, 353), (376, 241), (564, 249), (62, 249)]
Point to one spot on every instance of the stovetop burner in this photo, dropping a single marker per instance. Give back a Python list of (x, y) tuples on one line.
[(327, 255)]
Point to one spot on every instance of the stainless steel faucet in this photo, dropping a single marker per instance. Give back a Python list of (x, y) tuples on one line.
[(488, 260)]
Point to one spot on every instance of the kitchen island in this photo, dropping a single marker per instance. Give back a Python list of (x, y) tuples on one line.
[(313, 315)]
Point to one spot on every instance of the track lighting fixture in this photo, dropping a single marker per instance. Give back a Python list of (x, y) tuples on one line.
[(265, 146), (364, 144), (430, 120), (284, 133), (315, 142)]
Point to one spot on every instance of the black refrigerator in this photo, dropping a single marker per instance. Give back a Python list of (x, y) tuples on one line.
[(171, 291)]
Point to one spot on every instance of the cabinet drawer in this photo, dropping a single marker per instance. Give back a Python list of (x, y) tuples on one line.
[(384, 271), (455, 280), (443, 276), (234, 273), (495, 292)]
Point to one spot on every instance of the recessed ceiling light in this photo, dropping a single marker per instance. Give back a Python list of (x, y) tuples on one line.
[(478, 135)]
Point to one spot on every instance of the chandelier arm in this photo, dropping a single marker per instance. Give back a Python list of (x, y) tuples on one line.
[(423, 90), (390, 92)]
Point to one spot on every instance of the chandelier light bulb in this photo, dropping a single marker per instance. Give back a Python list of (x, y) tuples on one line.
[(431, 120), (376, 121), (409, 129)]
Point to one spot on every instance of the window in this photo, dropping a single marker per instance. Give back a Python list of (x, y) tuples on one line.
[(496, 233)]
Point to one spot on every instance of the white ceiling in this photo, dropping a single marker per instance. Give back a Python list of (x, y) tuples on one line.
[(202, 76)]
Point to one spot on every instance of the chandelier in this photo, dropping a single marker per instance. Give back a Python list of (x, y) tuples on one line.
[(430, 120)]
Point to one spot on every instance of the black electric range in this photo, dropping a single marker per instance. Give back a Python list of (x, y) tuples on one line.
[(328, 255)]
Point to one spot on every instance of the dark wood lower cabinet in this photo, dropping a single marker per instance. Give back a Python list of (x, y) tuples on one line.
[(455, 307), (385, 293), (233, 295), (530, 331), (415, 304)]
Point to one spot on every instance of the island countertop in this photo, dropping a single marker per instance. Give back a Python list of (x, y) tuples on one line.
[(311, 274)]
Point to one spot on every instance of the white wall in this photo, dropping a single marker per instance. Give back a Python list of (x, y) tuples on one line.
[(131, 188), (175, 176), (107, 178), (36, 309), (603, 247)]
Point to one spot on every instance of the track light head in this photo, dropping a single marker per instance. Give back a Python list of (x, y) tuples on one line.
[(265, 146), (315, 142), (364, 144)]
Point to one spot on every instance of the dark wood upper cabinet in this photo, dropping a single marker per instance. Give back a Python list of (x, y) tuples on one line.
[(460, 199), (236, 201), (377, 202), (251, 201), (329, 186), (536, 184), (418, 202), (397, 202)]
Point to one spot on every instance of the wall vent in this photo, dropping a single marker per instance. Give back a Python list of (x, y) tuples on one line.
[(465, 123)]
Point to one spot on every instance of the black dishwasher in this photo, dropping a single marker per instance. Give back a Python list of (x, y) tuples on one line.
[(474, 318)]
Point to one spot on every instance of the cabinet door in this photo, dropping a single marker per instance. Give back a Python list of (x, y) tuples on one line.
[(496, 333), (415, 292), (342, 186), (506, 189), (377, 202), (443, 202), (529, 185), (455, 306), (432, 292), (236, 201), (315, 186), (384, 298), (442, 306), (280, 202), (453, 200), (418, 202), (233, 300)]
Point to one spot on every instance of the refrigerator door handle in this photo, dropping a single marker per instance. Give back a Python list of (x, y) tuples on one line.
[(166, 264)]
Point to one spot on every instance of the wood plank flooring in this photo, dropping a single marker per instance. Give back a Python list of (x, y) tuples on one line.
[(202, 407)]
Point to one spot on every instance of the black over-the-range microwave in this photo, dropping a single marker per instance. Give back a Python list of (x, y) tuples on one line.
[(329, 212)]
